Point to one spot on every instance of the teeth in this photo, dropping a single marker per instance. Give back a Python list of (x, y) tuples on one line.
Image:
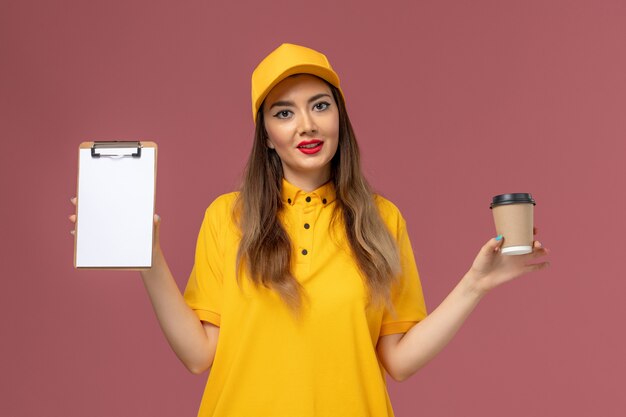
[(309, 146)]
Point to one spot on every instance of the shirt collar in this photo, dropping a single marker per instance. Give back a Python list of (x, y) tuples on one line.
[(324, 194)]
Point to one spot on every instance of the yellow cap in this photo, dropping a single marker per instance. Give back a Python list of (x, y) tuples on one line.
[(286, 60)]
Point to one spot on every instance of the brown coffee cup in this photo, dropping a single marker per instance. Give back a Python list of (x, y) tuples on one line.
[(513, 217)]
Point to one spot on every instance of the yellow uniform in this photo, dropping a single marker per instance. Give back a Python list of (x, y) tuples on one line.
[(271, 364)]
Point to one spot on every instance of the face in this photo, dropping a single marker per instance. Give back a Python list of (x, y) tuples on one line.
[(302, 125)]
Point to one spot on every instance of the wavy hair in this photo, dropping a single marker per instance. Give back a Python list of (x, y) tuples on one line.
[(265, 249)]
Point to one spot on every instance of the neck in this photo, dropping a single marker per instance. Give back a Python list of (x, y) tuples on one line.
[(309, 181)]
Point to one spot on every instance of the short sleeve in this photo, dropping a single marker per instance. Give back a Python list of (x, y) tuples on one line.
[(204, 291), (406, 296)]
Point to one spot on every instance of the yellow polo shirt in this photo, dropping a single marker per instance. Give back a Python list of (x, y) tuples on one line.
[(269, 363)]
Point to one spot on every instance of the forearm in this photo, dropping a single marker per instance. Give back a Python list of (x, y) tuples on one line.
[(428, 337), (403, 355), (182, 328)]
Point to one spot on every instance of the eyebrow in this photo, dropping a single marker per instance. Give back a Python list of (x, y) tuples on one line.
[(291, 103)]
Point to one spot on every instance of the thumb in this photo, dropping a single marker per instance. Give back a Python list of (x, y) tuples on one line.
[(157, 225), (492, 245)]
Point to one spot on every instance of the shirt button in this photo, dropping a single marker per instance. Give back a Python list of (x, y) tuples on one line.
[(324, 201), (304, 251), (306, 225), (289, 200), (308, 199)]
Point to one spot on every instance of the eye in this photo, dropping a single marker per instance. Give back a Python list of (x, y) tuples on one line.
[(283, 114), (321, 106)]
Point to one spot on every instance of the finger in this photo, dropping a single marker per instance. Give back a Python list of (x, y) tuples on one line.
[(539, 248), (157, 225), (72, 218), (72, 232), (538, 253), (492, 245), (73, 200)]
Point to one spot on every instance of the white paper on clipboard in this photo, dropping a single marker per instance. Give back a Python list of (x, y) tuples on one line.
[(115, 207)]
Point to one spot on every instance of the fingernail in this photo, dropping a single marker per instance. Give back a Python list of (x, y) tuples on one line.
[(499, 238)]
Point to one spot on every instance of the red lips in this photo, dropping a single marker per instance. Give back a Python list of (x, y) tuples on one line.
[(310, 147)]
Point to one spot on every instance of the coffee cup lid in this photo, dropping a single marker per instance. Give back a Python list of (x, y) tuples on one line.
[(515, 198)]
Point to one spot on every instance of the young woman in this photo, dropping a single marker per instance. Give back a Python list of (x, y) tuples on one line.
[(304, 289)]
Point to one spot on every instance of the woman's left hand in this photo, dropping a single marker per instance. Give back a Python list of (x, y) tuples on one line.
[(491, 268)]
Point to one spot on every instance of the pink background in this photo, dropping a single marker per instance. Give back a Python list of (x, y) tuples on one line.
[(453, 102)]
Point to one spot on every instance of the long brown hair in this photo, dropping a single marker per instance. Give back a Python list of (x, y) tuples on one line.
[(265, 248)]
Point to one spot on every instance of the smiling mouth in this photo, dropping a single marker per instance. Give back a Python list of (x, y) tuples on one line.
[(310, 147), (309, 144)]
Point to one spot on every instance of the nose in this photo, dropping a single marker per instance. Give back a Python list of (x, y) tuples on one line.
[(307, 124)]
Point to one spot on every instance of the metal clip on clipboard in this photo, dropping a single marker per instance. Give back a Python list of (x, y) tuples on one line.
[(116, 149)]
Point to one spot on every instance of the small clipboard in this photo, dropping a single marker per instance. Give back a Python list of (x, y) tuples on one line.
[(115, 205)]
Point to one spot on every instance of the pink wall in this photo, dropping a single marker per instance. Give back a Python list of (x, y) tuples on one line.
[(453, 102)]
